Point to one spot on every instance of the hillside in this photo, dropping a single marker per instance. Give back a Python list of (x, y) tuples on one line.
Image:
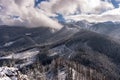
[(90, 50)]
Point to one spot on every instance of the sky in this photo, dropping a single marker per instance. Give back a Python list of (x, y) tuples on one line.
[(24, 13), (34, 13), (90, 10), (115, 3)]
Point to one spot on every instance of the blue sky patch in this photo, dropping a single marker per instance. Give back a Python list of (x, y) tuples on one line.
[(116, 4), (38, 1)]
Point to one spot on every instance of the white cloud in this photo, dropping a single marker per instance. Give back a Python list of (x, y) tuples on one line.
[(112, 12), (109, 15), (98, 10), (28, 15), (67, 7), (95, 17)]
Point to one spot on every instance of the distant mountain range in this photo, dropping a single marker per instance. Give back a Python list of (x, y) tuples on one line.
[(93, 45)]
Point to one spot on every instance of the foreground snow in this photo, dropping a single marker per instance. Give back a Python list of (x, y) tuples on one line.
[(28, 55), (10, 73)]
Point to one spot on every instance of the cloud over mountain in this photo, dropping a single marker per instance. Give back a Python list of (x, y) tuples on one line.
[(110, 15), (23, 13), (67, 7), (91, 10)]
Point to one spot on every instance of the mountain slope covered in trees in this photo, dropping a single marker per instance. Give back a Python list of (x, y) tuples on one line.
[(71, 53)]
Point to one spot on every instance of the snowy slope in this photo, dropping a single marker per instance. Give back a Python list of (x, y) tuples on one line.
[(29, 56), (23, 55), (11, 73)]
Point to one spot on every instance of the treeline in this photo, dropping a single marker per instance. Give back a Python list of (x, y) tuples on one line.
[(71, 71), (76, 71)]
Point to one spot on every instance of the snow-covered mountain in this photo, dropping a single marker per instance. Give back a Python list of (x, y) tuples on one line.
[(60, 40), (80, 42), (108, 28)]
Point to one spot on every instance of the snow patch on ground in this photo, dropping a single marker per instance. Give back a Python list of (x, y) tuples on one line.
[(8, 44), (11, 73), (29, 56), (23, 55), (28, 34), (62, 50), (62, 75)]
